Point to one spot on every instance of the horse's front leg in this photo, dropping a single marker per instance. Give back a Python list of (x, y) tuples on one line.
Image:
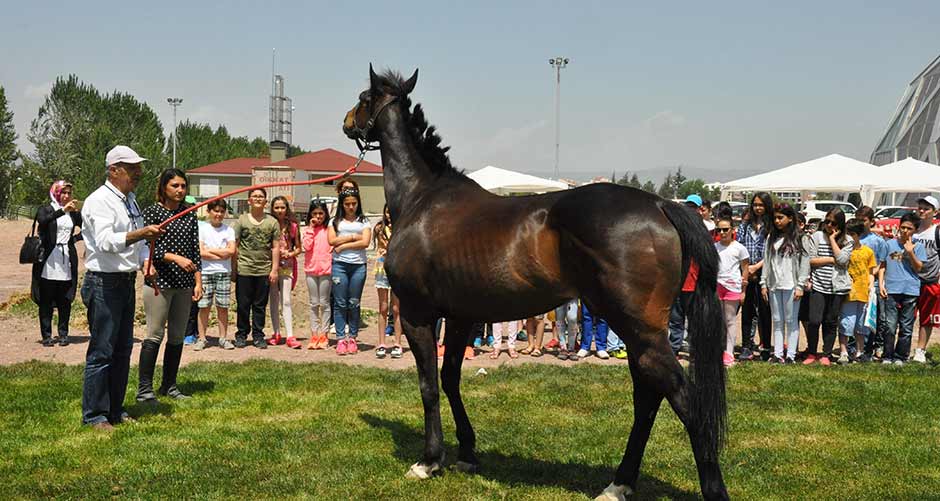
[(420, 334), (455, 343)]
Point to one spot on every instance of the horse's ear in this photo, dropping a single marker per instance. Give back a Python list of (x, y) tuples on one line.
[(410, 83), (374, 81)]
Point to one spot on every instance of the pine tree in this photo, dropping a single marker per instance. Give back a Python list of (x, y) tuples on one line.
[(8, 152)]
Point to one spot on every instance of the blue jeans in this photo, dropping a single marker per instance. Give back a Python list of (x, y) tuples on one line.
[(677, 321), (109, 299), (566, 323), (784, 310), (348, 281), (587, 332), (614, 342), (899, 312), (852, 320)]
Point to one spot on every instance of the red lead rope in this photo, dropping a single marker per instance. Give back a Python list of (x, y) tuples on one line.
[(164, 224)]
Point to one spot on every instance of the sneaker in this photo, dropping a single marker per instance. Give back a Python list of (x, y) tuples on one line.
[(396, 352), (727, 359), (825, 361), (490, 340), (899, 363), (746, 354), (189, 339), (293, 343), (574, 357), (200, 344), (468, 353), (352, 347), (583, 353), (477, 342), (790, 361), (864, 358), (619, 354), (240, 342), (380, 352), (48, 342), (920, 356), (885, 362), (225, 344), (810, 359), (276, 339), (775, 360), (552, 345), (879, 352), (341, 347), (602, 354), (843, 358), (260, 343)]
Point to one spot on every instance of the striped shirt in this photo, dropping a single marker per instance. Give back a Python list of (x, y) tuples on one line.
[(753, 241), (821, 277)]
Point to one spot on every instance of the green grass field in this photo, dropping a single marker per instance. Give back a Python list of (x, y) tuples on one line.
[(325, 431)]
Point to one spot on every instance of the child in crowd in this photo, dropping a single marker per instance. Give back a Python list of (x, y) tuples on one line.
[(256, 267), (350, 234), (217, 246), (280, 295), (829, 259), (381, 234), (786, 269), (318, 267), (900, 287), (732, 279), (535, 330), (862, 267), (590, 323), (512, 330), (566, 328)]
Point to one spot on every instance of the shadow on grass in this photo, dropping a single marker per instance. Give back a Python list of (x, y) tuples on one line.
[(510, 470), (196, 387), (145, 409)]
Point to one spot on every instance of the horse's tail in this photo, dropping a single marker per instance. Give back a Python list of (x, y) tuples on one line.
[(707, 405)]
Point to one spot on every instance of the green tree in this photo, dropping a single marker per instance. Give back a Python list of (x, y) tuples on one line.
[(74, 129), (649, 186), (635, 181), (8, 152), (698, 186), (667, 189)]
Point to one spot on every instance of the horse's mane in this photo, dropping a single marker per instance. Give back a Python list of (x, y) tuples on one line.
[(424, 135)]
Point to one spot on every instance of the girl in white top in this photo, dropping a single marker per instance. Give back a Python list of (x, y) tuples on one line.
[(733, 261), (349, 234)]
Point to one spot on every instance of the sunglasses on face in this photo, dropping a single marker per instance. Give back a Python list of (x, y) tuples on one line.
[(723, 230), (829, 221)]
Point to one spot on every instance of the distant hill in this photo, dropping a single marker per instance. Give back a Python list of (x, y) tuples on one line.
[(655, 174)]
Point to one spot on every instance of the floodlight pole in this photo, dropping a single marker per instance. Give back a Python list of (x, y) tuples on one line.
[(174, 102), (558, 63)]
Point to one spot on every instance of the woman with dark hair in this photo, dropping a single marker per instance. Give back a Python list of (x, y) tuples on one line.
[(786, 269), (829, 255), (279, 298), (56, 274), (177, 260), (350, 235), (752, 234)]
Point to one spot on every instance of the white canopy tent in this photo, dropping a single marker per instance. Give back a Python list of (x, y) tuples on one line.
[(905, 176), (833, 173), (505, 182)]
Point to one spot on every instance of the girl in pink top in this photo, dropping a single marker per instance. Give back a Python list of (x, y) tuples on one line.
[(318, 266)]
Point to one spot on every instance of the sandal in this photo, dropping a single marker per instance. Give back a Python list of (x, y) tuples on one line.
[(526, 350), (536, 353), (495, 354), (513, 354)]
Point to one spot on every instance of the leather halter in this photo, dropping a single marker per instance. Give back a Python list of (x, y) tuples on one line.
[(362, 133)]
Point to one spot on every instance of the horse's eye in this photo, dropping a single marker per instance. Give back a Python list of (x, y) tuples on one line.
[(364, 97)]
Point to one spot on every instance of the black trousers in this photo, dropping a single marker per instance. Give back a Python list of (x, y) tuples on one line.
[(52, 295), (824, 310), (251, 296), (755, 307)]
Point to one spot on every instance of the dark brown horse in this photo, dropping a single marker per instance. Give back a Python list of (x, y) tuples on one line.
[(462, 253)]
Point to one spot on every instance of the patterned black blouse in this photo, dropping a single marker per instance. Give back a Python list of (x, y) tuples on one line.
[(182, 239)]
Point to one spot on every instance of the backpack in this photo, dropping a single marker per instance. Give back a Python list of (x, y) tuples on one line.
[(930, 272)]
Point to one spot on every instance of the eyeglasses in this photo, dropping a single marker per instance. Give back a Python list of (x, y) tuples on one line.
[(723, 230)]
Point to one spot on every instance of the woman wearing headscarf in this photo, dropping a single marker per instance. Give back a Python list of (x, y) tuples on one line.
[(56, 274)]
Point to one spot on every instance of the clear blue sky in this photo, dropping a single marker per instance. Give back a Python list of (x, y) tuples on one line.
[(721, 87)]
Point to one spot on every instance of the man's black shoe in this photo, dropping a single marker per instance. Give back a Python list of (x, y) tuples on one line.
[(240, 342)]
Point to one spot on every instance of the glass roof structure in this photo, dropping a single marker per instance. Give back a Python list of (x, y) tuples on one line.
[(914, 130)]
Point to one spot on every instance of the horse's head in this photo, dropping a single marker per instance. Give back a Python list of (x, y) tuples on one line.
[(361, 120)]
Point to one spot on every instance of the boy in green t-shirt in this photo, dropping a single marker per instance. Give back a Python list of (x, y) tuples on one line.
[(258, 251)]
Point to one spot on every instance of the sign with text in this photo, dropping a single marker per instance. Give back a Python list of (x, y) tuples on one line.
[(274, 174)]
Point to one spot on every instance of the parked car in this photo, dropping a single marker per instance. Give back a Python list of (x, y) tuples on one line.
[(890, 211), (887, 226), (815, 210)]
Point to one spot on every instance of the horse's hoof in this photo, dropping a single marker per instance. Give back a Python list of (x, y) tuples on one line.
[(422, 471), (465, 467), (615, 493)]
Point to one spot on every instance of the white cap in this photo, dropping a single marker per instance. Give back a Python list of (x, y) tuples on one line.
[(122, 154), (930, 199)]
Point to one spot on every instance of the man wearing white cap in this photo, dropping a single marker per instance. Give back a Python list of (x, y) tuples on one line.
[(113, 231), (928, 303)]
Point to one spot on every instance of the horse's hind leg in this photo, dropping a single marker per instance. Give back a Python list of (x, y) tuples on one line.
[(420, 334), (455, 342)]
